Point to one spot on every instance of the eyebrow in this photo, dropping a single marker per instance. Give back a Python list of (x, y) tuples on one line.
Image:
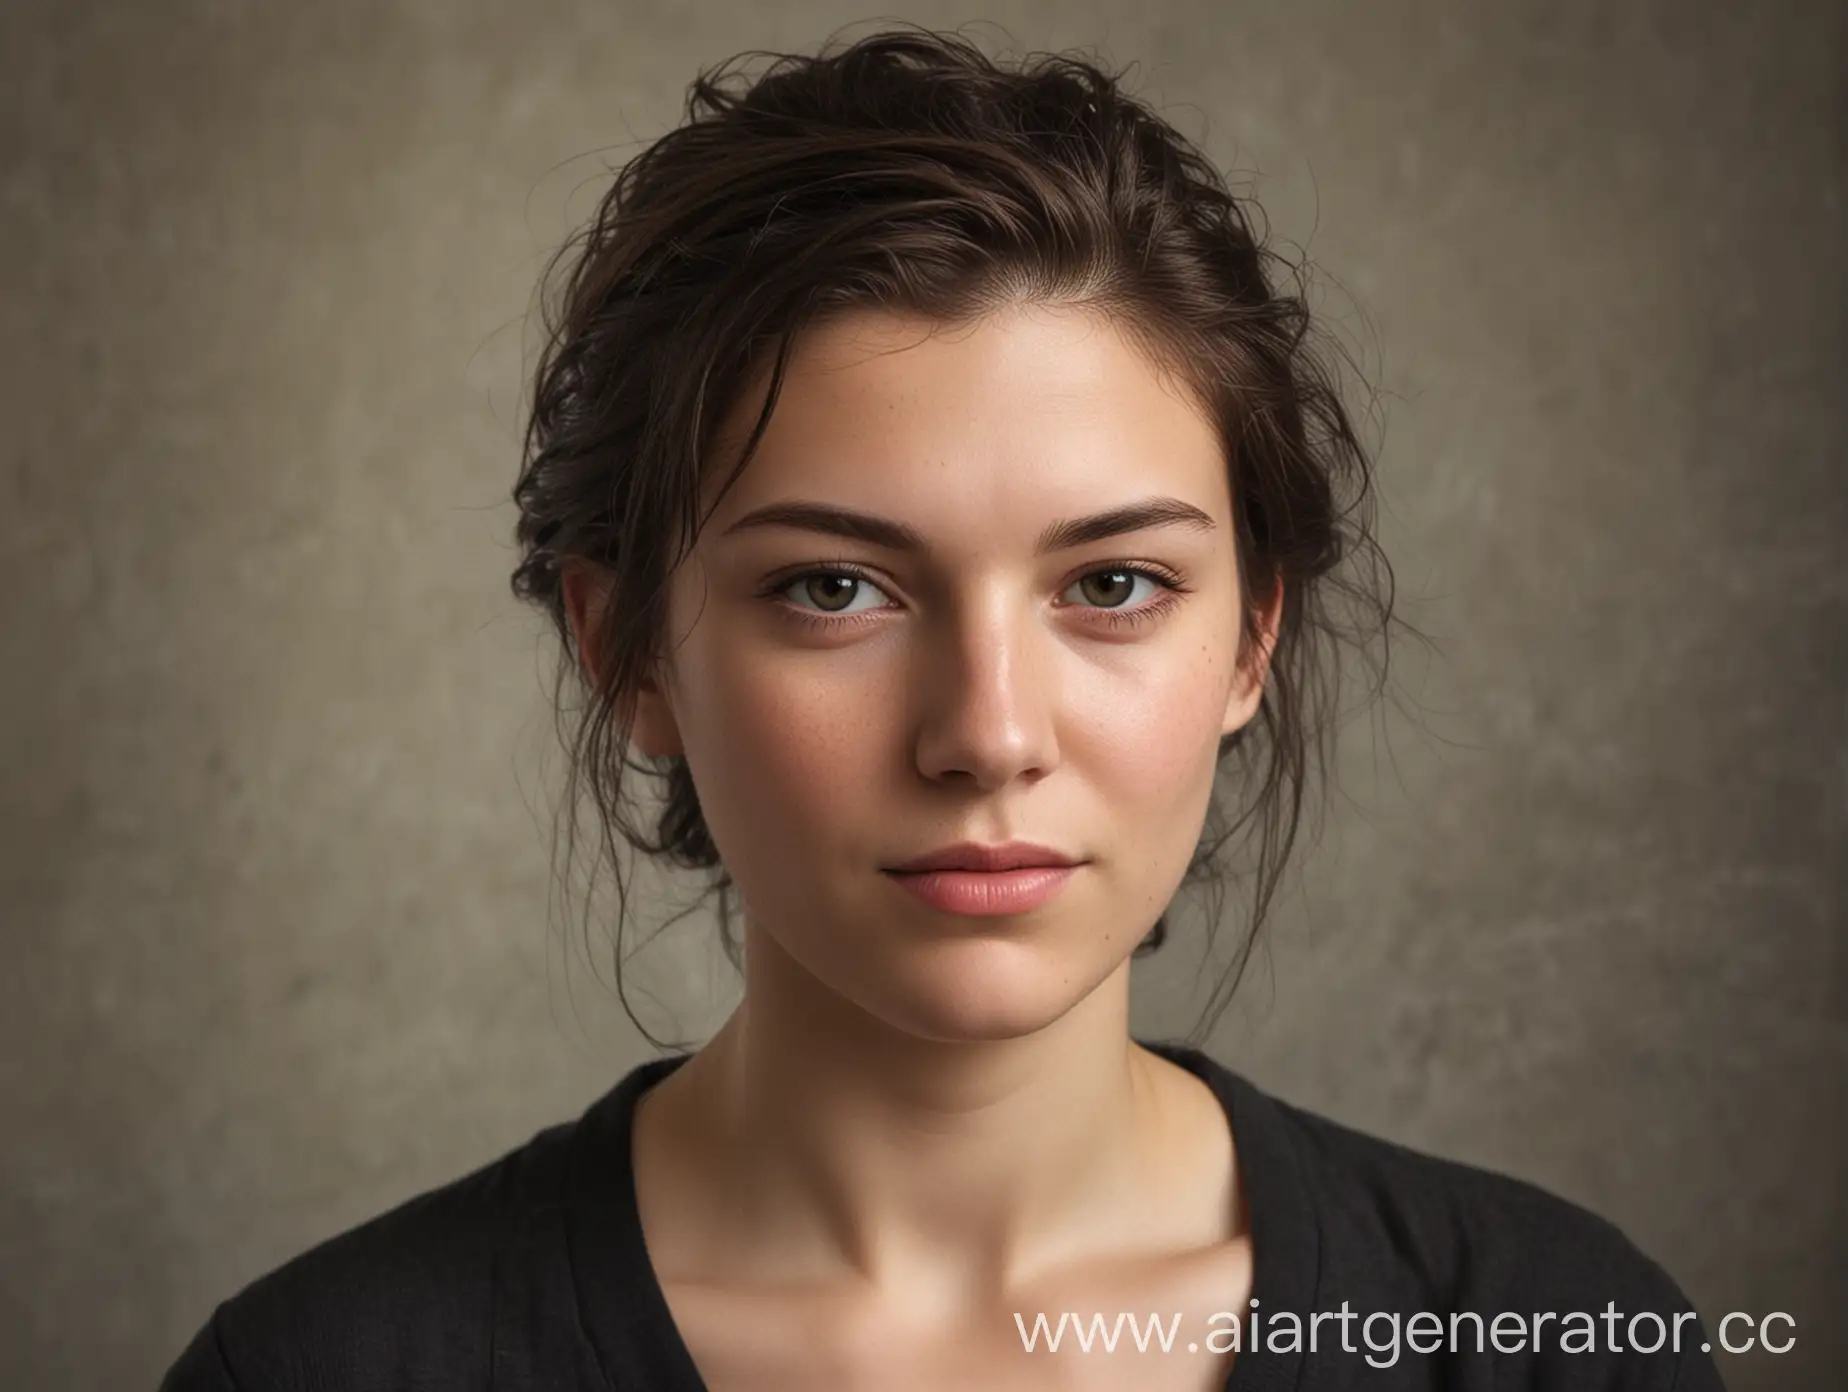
[(897, 536)]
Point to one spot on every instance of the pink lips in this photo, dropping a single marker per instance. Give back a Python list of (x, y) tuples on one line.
[(985, 892), (987, 880)]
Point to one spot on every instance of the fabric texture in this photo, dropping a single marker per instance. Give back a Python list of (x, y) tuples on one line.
[(531, 1273)]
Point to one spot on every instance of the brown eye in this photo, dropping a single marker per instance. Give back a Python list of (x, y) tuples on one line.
[(832, 593), (1107, 589)]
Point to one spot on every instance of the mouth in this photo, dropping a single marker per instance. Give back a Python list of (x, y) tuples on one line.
[(985, 881), (973, 856)]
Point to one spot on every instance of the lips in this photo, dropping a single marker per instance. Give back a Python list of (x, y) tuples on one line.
[(972, 856), (979, 881)]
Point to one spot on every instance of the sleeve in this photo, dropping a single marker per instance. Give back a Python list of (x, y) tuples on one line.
[(202, 1366)]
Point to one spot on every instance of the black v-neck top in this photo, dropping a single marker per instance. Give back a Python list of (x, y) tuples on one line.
[(531, 1273)]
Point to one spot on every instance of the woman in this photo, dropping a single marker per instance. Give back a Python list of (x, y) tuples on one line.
[(932, 490)]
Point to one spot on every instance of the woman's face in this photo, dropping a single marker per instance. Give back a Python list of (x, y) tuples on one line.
[(977, 585)]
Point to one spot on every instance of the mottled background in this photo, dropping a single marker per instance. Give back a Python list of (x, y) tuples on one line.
[(281, 944)]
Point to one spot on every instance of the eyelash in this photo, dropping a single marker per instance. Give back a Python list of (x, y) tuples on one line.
[(1171, 590)]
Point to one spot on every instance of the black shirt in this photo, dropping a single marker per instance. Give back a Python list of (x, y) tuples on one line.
[(531, 1273)]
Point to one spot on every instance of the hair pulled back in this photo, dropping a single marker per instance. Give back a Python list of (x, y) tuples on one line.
[(911, 172)]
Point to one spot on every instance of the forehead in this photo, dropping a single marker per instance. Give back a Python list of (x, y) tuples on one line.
[(1030, 409)]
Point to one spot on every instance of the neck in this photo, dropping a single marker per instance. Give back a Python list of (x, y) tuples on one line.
[(847, 1143)]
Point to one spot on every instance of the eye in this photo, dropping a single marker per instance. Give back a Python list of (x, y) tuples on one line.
[(832, 592), (1114, 588)]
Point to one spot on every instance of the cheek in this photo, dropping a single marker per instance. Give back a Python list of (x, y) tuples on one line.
[(783, 743), (1151, 737)]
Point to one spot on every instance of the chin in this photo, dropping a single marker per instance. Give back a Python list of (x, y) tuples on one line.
[(982, 990)]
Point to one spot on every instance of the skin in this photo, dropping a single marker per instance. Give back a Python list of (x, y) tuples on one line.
[(918, 1123)]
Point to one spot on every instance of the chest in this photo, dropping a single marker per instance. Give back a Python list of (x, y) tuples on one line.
[(1161, 1328)]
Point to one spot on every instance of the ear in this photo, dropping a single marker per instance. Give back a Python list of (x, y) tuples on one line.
[(1248, 682), (586, 591)]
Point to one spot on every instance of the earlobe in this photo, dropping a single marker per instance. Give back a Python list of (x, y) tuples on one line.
[(584, 592), (1247, 692), (1254, 672), (652, 728)]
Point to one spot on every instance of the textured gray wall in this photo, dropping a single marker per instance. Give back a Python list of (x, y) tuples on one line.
[(275, 878)]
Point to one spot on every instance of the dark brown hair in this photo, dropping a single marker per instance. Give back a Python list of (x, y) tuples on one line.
[(911, 172)]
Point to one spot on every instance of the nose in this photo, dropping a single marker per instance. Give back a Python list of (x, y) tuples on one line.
[(986, 700)]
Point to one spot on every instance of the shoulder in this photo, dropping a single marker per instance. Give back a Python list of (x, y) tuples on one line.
[(1575, 1300), (1459, 1271), (1461, 1229), (405, 1298)]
